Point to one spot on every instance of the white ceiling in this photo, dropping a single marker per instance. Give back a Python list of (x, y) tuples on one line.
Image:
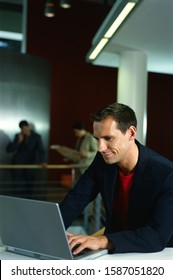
[(148, 29)]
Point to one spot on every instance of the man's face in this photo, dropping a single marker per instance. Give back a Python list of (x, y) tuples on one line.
[(25, 130), (78, 133), (112, 143)]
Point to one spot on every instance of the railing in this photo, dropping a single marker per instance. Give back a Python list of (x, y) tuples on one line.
[(47, 166), (39, 166), (54, 190)]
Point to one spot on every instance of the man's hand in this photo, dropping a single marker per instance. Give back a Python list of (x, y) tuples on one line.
[(83, 154), (87, 241), (20, 137)]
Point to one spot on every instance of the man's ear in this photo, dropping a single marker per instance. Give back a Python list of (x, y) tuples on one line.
[(132, 132)]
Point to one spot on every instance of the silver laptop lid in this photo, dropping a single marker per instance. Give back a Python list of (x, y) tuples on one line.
[(33, 228)]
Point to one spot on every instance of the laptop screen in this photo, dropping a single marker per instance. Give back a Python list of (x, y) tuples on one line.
[(33, 228)]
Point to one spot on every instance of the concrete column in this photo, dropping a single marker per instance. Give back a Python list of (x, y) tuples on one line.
[(24, 27), (132, 87)]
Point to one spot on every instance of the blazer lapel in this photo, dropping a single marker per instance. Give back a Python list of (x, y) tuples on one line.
[(140, 182), (110, 176)]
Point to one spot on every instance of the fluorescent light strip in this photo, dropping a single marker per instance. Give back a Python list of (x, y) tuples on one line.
[(117, 22), (98, 48), (124, 13), (11, 35)]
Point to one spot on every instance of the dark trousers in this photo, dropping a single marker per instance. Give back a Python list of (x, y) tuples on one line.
[(23, 182)]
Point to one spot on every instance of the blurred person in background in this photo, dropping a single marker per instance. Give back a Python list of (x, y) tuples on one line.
[(26, 149), (84, 151)]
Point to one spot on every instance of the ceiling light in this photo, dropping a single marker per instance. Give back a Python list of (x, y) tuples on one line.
[(49, 9), (11, 35), (117, 15), (98, 48), (117, 22), (65, 4)]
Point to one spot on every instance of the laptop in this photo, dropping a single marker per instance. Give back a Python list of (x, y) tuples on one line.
[(35, 228)]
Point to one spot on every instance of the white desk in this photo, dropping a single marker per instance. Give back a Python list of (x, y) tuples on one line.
[(166, 254)]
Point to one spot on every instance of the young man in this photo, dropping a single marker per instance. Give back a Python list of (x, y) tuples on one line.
[(136, 185)]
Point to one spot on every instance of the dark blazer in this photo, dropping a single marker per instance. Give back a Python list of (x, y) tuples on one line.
[(30, 151), (150, 212)]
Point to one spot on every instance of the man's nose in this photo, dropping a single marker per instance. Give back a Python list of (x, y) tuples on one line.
[(102, 146)]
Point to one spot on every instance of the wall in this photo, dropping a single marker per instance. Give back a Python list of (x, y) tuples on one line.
[(24, 94), (160, 113)]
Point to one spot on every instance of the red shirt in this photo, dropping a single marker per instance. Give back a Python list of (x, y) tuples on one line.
[(121, 201)]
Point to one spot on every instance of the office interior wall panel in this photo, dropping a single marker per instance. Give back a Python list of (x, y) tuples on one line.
[(25, 83)]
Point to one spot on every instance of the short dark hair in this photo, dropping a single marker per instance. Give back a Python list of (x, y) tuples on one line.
[(122, 114), (78, 125), (23, 123)]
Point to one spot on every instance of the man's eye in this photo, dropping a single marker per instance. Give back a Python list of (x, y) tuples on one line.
[(108, 138)]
